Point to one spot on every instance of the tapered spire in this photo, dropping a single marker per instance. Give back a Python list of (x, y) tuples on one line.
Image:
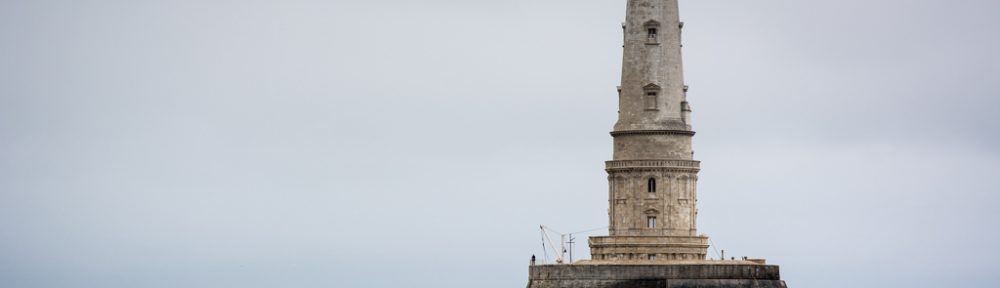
[(652, 93)]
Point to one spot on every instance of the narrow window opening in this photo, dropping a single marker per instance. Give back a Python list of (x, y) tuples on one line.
[(652, 257), (651, 222), (651, 186), (651, 99), (651, 33)]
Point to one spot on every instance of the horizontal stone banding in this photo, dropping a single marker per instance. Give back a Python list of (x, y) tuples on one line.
[(626, 272), (652, 132), (688, 165), (599, 240)]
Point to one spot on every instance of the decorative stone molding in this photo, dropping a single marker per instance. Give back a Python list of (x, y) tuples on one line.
[(635, 247), (653, 132), (671, 165)]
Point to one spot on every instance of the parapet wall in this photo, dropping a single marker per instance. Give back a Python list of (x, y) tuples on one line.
[(648, 249), (655, 276)]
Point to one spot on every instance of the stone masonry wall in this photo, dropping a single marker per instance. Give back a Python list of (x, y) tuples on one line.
[(655, 276)]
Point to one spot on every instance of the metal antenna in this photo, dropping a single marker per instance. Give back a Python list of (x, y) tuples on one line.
[(571, 248)]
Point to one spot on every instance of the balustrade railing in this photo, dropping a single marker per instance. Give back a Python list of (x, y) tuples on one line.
[(653, 164)]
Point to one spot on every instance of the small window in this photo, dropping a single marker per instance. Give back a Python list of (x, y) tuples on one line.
[(652, 96), (651, 185), (651, 222), (651, 33), (652, 257), (651, 100)]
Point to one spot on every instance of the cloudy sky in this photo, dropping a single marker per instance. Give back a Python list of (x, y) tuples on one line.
[(307, 143)]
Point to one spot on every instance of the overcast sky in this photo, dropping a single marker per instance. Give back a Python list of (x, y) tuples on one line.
[(394, 143)]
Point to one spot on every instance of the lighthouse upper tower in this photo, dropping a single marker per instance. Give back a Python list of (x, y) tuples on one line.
[(652, 178), (652, 91)]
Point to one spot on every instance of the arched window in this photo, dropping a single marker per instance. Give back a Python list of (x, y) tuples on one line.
[(651, 185)]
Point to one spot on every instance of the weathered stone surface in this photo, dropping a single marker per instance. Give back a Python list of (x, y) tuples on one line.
[(640, 248), (653, 177), (655, 276)]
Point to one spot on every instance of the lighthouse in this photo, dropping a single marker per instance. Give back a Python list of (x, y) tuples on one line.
[(652, 179), (653, 239)]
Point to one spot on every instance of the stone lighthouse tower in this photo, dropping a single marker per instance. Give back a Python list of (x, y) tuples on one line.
[(652, 178), (653, 239)]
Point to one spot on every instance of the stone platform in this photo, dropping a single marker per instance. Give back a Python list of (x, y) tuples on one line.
[(700, 274)]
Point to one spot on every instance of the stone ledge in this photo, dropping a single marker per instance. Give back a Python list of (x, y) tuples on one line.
[(654, 271), (658, 283), (632, 164), (649, 240), (652, 132)]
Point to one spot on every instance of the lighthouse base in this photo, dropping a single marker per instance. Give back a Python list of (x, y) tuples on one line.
[(703, 274), (648, 248)]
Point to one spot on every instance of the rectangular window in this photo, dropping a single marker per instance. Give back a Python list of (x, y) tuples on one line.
[(651, 33), (652, 257), (651, 221), (651, 99)]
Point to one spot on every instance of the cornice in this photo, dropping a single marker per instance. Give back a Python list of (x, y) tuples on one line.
[(653, 165), (653, 132)]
